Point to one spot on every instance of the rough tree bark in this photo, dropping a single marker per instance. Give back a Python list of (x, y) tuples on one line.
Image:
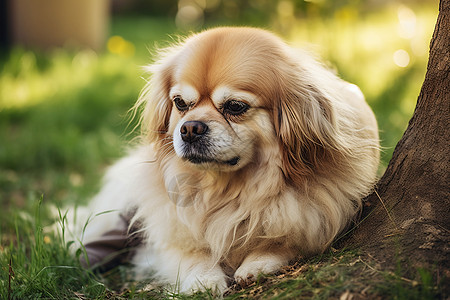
[(406, 221)]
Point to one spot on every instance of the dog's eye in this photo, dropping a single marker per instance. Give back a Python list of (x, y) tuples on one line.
[(180, 104), (235, 108)]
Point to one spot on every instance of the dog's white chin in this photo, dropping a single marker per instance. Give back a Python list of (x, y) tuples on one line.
[(215, 160), (206, 163)]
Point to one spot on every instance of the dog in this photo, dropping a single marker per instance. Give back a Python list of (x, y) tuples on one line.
[(253, 154)]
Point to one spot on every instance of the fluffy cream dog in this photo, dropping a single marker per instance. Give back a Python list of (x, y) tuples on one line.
[(254, 155)]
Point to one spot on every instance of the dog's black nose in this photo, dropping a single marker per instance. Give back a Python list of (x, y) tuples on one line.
[(191, 131)]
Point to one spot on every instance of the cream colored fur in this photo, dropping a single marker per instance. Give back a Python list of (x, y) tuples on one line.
[(308, 153)]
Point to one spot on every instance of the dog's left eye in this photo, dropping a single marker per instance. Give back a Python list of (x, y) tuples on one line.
[(235, 108)]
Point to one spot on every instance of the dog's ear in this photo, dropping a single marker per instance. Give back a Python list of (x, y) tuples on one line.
[(154, 100), (305, 124)]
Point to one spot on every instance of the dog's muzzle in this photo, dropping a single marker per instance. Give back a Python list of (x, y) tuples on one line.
[(196, 146)]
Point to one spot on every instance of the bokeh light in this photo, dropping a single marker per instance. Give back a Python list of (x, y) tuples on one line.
[(406, 22), (401, 58), (118, 45)]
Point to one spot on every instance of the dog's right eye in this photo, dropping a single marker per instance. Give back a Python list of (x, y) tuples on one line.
[(235, 108), (180, 104)]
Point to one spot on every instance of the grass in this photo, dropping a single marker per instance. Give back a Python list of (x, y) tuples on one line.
[(337, 275), (39, 265), (63, 120)]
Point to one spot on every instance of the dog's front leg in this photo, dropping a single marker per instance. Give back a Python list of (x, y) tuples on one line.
[(198, 274), (260, 263), (183, 272)]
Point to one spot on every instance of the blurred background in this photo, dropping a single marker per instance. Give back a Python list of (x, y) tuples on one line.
[(70, 70)]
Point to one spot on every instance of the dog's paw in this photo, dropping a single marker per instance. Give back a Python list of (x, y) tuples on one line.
[(200, 280), (254, 265)]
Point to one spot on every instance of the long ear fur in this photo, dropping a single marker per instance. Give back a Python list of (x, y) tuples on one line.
[(305, 120), (155, 100)]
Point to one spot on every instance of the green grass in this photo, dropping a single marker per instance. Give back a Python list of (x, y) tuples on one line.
[(63, 119), (39, 265), (333, 275)]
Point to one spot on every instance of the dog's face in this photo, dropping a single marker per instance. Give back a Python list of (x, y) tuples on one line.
[(225, 94), (216, 128)]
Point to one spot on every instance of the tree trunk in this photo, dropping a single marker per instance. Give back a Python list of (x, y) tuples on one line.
[(405, 222)]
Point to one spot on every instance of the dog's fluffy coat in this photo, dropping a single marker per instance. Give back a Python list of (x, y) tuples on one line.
[(260, 187)]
